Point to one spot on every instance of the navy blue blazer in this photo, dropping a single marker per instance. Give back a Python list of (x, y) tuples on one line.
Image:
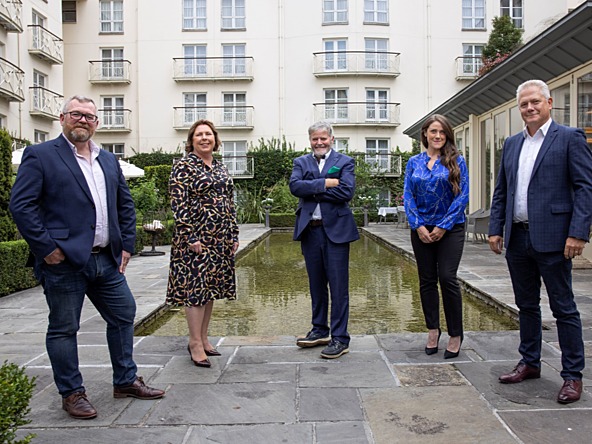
[(308, 184), (52, 205), (559, 193)]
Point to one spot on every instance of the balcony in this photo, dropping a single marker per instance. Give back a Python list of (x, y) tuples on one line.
[(109, 71), (212, 68), (381, 114), (45, 103), (356, 63), (467, 68), (223, 117), (116, 120), (240, 167), (10, 15), (11, 81), (385, 164), (46, 45)]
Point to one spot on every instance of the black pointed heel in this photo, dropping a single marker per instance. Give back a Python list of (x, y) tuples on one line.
[(449, 355), (205, 363), (433, 350)]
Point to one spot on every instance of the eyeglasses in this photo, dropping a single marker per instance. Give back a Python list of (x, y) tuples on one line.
[(90, 118)]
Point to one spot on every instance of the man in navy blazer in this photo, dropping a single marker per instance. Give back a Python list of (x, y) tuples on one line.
[(324, 182), (71, 204), (543, 201)]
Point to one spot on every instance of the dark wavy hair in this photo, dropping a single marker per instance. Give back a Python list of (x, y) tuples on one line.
[(449, 152), (189, 142)]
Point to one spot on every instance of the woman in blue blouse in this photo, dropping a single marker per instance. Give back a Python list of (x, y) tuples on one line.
[(436, 194)]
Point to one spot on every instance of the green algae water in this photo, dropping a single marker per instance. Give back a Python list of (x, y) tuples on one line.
[(273, 297)]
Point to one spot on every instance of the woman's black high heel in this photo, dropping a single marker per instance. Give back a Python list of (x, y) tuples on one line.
[(433, 350), (449, 355), (205, 363)]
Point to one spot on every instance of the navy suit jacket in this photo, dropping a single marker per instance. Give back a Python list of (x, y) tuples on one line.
[(308, 184), (52, 205), (559, 192)]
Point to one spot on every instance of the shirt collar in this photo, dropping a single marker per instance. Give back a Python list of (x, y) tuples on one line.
[(327, 154), (543, 129), (94, 148)]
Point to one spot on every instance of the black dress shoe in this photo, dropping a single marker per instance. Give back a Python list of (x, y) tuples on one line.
[(205, 363), (434, 350), (570, 392), (520, 373), (449, 355), (312, 340), (137, 390), (213, 352)]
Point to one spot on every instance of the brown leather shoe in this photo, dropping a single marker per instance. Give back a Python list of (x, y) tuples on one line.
[(570, 392), (137, 390), (520, 373), (78, 406)]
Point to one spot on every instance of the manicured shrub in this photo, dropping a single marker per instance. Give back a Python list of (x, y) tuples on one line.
[(16, 389), (15, 276)]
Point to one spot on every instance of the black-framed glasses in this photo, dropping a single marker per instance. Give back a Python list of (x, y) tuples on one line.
[(90, 118)]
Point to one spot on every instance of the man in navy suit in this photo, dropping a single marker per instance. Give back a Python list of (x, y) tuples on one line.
[(71, 204), (543, 200), (324, 181)]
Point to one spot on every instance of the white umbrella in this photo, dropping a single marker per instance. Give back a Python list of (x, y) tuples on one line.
[(17, 155), (130, 170)]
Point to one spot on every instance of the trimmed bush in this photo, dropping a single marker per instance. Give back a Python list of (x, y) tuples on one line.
[(15, 276), (16, 390)]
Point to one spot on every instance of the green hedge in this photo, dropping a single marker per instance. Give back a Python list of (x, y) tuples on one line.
[(15, 276)]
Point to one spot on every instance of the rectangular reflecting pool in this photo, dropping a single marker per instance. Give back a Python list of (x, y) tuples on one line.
[(273, 296)]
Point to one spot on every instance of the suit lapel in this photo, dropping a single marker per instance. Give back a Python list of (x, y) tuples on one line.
[(547, 142), (515, 161), (65, 152), (331, 161)]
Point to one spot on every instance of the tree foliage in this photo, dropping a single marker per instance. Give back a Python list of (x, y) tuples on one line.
[(7, 226), (504, 39)]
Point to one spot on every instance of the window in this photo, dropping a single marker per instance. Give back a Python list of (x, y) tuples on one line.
[(561, 104), (376, 57), (336, 105), (235, 111), (335, 57), (68, 12), (195, 60), (116, 148), (377, 154), (41, 136), (472, 61), (233, 14), (334, 11), (111, 15), (513, 9), (39, 96), (376, 11), (194, 14), (473, 14), (195, 107), (38, 23), (112, 63), (234, 156), (234, 60), (113, 112), (377, 105), (585, 105), (341, 145)]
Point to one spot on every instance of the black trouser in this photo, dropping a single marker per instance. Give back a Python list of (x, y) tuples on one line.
[(438, 262)]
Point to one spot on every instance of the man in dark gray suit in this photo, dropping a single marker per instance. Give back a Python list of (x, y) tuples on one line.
[(543, 199)]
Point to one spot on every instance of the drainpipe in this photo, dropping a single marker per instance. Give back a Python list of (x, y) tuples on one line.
[(428, 57)]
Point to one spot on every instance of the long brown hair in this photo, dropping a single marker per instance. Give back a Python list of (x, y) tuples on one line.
[(449, 153), (189, 142)]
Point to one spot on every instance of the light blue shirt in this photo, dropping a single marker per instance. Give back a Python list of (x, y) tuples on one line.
[(428, 195)]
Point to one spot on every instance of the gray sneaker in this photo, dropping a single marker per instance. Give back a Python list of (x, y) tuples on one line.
[(312, 340), (334, 350)]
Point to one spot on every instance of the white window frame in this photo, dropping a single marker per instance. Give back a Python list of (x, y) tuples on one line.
[(195, 63), (235, 108), (514, 11), (40, 136), (111, 16), (234, 156), (473, 14), (335, 12), (377, 154), (194, 15), (341, 144), (116, 148), (39, 22), (112, 63), (234, 63), (233, 14), (376, 12), (377, 105), (472, 61), (39, 96), (195, 107), (113, 111), (375, 60), (336, 106), (335, 54)]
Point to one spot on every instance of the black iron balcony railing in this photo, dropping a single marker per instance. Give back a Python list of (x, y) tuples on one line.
[(358, 113), (46, 45), (359, 63), (383, 164), (212, 68), (45, 103), (224, 117), (114, 120), (109, 71)]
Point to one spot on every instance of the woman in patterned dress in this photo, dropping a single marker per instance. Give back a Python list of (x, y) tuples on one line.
[(436, 194), (205, 237)]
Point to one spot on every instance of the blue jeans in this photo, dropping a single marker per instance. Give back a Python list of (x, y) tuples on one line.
[(107, 289), (527, 266)]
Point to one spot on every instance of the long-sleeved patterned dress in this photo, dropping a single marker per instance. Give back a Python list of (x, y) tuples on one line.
[(203, 209)]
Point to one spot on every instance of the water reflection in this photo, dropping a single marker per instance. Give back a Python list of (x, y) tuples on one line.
[(273, 297)]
